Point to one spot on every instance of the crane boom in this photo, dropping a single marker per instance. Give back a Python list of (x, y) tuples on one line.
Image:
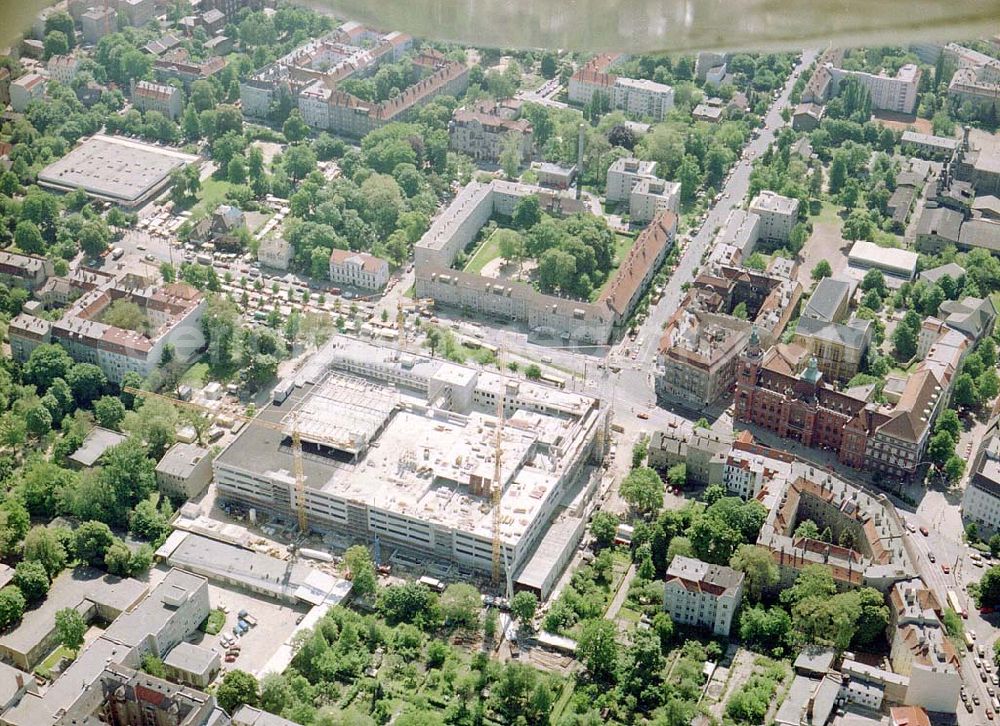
[(497, 488)]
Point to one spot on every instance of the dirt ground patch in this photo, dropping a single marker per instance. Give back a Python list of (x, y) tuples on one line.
[(499, 269), (903, 122), (825, 243)]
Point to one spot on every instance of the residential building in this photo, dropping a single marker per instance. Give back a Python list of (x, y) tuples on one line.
[(741, 231), (928, 146), (4, 87), (747, 473), (63, 68), (708, 112), (250, 716), (708, 63), (702, 595), (97, 22), (623, 175), (807, 116), (184, 471), (14, 684), (137, 13), (358, 269), (177, 65), (703, 451), (310, 75), (97, 441), (896, 93), (698, 356), (27, 271), (120, 694), (276, 252), (642, 98), (778, 215), (192, 665), (173, 313), (867, 528), (978, 85), (483, 135), (650, 197), (213, 21), (29, 87), (637, 97), (921, 649), (972, 316), (981, 501), (979, 234), (149, 96), (456, 227)]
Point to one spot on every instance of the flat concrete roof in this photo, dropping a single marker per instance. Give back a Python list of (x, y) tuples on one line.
[(190, 658), (113, 168)]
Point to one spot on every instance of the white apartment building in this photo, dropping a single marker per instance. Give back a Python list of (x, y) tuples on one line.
[(702, 595), (888, 93), (358, 269), (746, 473), (777, 214), (29, 87), (63, 68), (643, 98), (650, 197), (981, 502), (624, 174)]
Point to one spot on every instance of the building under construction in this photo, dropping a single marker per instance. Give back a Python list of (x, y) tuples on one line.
[(402, 448)]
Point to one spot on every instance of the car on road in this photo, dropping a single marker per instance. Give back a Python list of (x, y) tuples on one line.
[(923, 531), (975, 698), (911, 527), (968, 706), (932, 557), (643, 415), (945, 569), (989, 713)]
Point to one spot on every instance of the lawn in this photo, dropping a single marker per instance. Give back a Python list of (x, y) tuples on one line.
[(44, 669), (197, 375), (487, 252), (623, 243), (214, 623), (212, 194)]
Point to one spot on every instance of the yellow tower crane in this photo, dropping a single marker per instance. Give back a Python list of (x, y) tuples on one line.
[(299, 495), (497, 487)]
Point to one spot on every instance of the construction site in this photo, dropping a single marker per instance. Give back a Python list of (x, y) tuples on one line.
[(427, 460)]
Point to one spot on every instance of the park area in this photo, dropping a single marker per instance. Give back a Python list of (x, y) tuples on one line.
[(574, 257)]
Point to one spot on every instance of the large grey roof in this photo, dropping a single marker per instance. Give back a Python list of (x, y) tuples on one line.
[(181, 459), (97, 441), (250, 716), (951, 269), (853, 334), (940, 221), (191, 658), (979, 233), (827, 298)]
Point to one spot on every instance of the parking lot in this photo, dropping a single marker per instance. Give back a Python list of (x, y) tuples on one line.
[(275, 622)]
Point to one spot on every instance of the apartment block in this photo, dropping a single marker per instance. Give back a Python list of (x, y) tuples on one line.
[(63, 68), (702, 595), (650, 197), (276, 252), (981, 501), (896, 93), (173, 315), (698, 356), (97, 22), (777, 214), (483, 135), (358, 269), (623, 175), (703, 451), (29, 87), (149, 96), (637, 97)]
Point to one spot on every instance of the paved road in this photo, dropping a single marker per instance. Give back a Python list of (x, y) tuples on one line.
[(733, 191)]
